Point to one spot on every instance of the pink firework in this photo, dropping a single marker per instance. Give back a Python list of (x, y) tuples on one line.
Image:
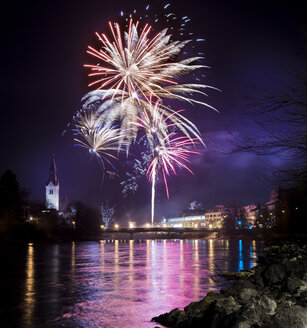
[(175, 153)]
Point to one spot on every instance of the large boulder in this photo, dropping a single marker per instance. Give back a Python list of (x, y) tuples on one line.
[(289, 317), (259, 309)]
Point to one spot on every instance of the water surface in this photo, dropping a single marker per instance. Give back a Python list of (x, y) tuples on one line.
[(113, 283)]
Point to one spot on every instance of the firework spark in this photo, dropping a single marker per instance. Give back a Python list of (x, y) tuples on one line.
[(132, 116), (135, 65), (100, 141), (173, 153)]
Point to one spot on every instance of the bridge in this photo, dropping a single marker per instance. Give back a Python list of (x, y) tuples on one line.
[(160, 230)]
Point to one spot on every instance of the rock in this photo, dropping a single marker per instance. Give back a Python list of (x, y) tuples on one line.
[(242, 323), (293, 284), (247, 293), (289, 317), (196, 308), (236, 288), (171, 319), (275, 273), (227, 305), (258, 309), (220, 313), (238, 275)]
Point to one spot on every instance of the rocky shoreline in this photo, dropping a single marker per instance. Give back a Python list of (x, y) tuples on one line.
[(273, 294)]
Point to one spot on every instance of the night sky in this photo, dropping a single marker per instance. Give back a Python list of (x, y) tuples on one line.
[(249, 46)]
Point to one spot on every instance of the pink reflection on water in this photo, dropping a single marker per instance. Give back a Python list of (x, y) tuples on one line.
[(126, 283)]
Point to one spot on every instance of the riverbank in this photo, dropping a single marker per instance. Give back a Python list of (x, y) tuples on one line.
[(271, 295)]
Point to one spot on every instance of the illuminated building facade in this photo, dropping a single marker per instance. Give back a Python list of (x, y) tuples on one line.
[(215, 217), (193, 221), (250, 215), (53, 188)]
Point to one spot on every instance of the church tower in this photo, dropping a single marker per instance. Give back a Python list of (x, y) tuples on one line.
[(52, 188)]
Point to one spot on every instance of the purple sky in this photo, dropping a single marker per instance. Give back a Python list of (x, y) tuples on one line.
[(249, 45)]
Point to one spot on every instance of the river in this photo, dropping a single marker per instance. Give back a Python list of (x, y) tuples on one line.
[(112, 283)]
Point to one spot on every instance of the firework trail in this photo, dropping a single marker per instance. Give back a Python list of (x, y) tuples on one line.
[(173, 153)]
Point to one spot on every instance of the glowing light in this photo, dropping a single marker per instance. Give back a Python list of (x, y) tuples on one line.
[(131, 225), (210, 226), (147, 225), (102, 226), (116, 226)]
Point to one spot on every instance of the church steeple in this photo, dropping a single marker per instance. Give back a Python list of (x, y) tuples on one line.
[(53, 173), (52, 187)]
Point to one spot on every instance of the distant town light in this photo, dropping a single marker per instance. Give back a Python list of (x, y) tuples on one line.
[(147, 225), (131, 225), (116, 226)]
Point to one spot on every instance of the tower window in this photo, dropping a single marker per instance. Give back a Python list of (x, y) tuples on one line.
[(50, 192)]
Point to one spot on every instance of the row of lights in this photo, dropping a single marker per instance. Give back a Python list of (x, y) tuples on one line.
[(148, 225)]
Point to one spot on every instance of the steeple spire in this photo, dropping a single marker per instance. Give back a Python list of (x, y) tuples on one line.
[(53, 173)]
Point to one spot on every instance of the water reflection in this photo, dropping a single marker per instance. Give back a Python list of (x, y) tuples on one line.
[(241, 264), (196, 275), (123, 283), (211, 264), (29, 297), (253, 254)]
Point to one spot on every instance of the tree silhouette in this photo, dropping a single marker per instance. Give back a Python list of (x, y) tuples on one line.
[(11, 210)]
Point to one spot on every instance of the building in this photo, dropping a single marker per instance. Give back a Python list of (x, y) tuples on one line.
[(250, 215), (215, 217), (193, 221), (53, 188)]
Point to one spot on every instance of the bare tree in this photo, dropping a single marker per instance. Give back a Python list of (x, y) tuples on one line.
[(107, 214), (280, 128)]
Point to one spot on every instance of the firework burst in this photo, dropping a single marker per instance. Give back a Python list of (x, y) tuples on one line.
[(132, 116), (100, 141), (136, 65)]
